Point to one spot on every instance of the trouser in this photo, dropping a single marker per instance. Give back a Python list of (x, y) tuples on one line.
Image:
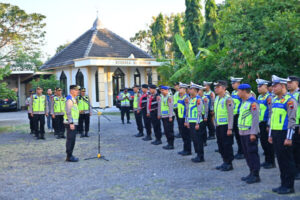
[(296, 149), (204, 131), (236, 134), (86, 119), (267, 147), (155, 124), (58, 124), (126, 110), (197, 138), (177, 119), (210, 125), (39, 124), (285, 158), (147, 121), (49, 122), (139, 122), (225, 143), (185, 134), (31, 123), (70, 142), (169, 130), (250, 150)]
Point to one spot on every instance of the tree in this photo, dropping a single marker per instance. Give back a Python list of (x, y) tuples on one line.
[(176, 29), (209, 36), (45, 83), (26, 61), (158, 39), (19, 29), (142, 39), (5, 92), (193, 23), (61, 47)]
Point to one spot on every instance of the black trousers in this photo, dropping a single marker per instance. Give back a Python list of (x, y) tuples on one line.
[(126, 110), (285, 158), (204, 131), (31, 123), (236, 134), (71, 138), (177, 119), (39, 124), (225, 143), (210, 125), (185, 134), (147, 121), (267, 147), (296, 149), (139, 121), (169, 130), (250, 150), (86, 119), (155, 124), (58, 124), (197, 138)]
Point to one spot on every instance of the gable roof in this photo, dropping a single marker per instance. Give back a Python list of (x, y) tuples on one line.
[(96, 42)]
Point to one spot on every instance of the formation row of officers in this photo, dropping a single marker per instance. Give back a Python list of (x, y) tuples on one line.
[(273, 118)]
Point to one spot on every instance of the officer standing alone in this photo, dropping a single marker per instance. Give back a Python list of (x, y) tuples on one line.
[(125, 105)]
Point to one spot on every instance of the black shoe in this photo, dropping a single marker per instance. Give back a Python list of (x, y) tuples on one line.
[(178, 135), (62, 135), (58, 137), (147, 138), (156, 142), (184, 153), (211, 138), (269, 165), (263, 164), (168, 147), (123, 122), (72, 159), (81, 135), (227, 167), (239, 156), (245, 178), (197, 159), (297, 177), (253, 179), (181, 152), (276, 189), (42, 137), (284, 190), (86, 135), (217, 150), (220, 166), (139, 135), (128, 122)]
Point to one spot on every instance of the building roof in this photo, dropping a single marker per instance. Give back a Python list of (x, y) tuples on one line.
[(96, 42)]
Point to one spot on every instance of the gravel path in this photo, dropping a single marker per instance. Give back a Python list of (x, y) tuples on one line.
[(137, 170)]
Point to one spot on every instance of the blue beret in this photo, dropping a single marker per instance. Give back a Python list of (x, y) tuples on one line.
[(164, 87), (244, 87)]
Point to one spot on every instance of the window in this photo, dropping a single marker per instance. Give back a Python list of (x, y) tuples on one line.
[(97, 86), (137, 77), (79, 79), (149, 76), (118, 83), (63, 83)]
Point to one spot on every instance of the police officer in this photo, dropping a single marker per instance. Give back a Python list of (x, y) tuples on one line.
[(85, 111), (193, 120), (265, 106), (248, 124), (209, 123), (293, 87), (27, 103), (57, 112), (235, 82), (165, 113), (205, 113), (38, 108), (175, 98), (138, 115), (49, 119), (125, 98), (143, 109), (223, 109), (152, 113), (183, 99), (282, 126)]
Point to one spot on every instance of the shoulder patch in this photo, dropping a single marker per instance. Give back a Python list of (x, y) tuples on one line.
[(253, 106), (291, 105), (198, 102), (205, 100)]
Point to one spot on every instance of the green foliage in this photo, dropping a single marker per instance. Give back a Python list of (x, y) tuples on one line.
[(5, 92), (45, 83), (142, 39), (209, 36), (158, 39), (61, 47), (26, 61), (176, 29)]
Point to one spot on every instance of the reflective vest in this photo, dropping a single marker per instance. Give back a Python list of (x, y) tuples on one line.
[(59, 104), (83, 103), (236, 101), (279, 118), (181, 106), (263, 107), (135, 101), (125, 102), (245, 117), (164, 106), (193, 110), (39, 103), (175, 99), (220, 109), (203, 99), (74, 111), (207, 94), (296, 96)]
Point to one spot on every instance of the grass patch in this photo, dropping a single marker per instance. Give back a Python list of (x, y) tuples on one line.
[(23, 128)]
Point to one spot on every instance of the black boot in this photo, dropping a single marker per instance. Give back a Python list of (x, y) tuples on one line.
[(269, 165), (123, 122), (168, 147), (72, 159), (128, 122), (156, 142), (220, 166), (198, 159), (86, 134), (227, 167), (147, 138), (81, 135), (42, 136), (245, 178), (139, 135), (254, 178)]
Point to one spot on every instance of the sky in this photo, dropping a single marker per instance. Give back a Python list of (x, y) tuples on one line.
[(67, 19)]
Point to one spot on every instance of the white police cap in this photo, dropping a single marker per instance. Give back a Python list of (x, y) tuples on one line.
[(207, 83), (193, 85), (234, 80), (276, 80), (183, 85), (262, 82)]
